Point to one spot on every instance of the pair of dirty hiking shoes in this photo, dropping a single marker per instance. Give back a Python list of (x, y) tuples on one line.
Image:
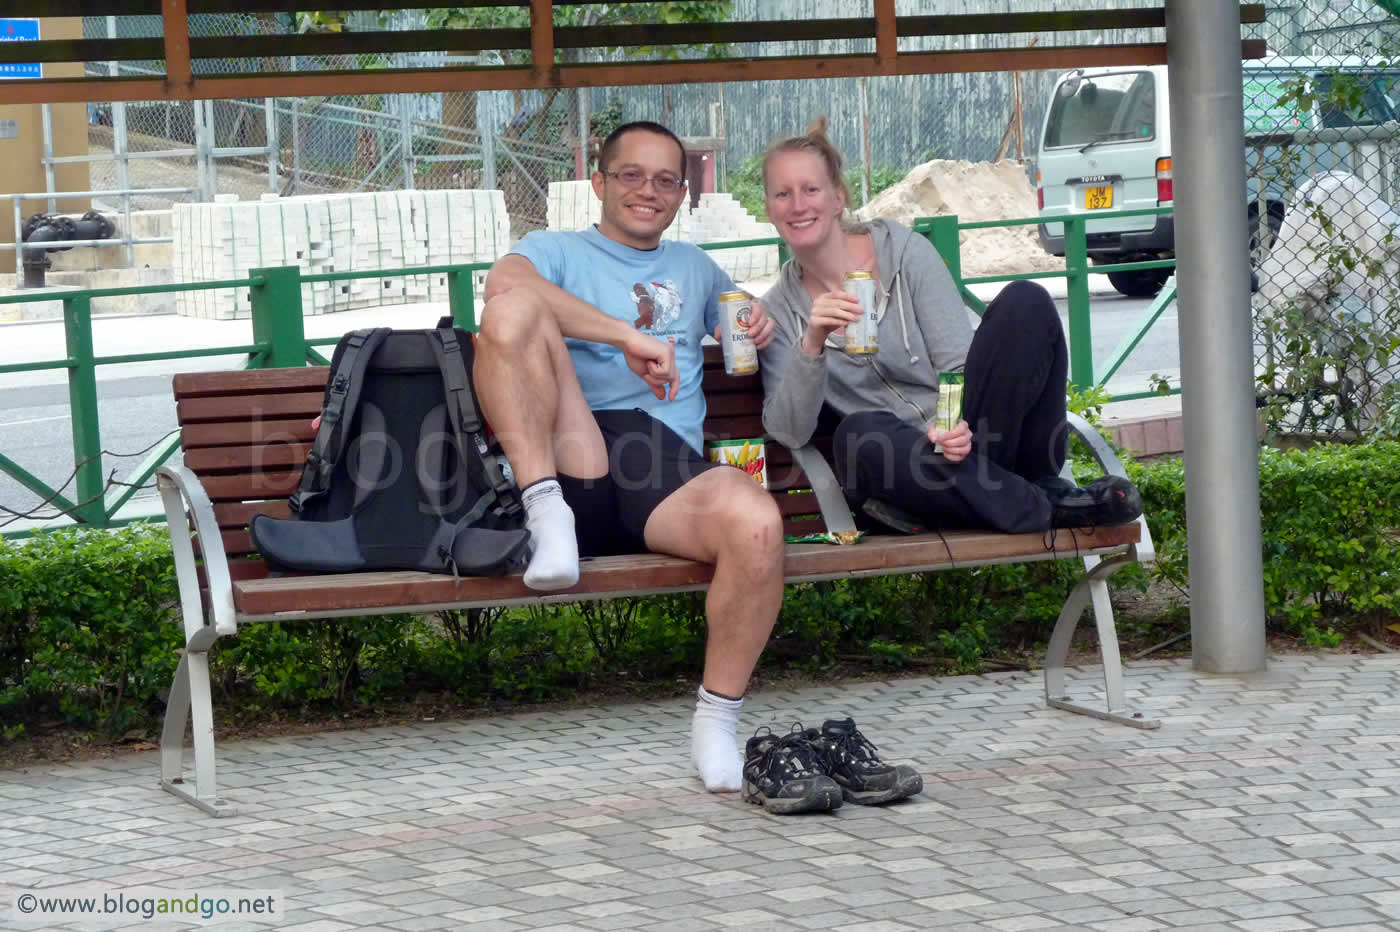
[(816, 769)]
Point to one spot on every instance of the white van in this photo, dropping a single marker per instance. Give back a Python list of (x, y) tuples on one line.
[(1107, 145)]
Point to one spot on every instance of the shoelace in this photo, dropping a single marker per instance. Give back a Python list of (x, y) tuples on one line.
[(857, 746), (794, 755)]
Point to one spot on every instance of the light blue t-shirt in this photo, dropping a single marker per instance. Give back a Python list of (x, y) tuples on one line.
[(670, 292)]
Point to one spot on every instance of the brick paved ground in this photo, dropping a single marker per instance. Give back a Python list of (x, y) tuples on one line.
[(1263, 803)]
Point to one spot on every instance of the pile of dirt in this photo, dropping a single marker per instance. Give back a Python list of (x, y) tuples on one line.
[(974, 191)]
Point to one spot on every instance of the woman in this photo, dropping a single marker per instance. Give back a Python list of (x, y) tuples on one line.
[(999, 467)]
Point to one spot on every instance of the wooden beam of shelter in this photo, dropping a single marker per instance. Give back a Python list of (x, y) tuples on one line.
[(886, 31), (542, 35), (175, 19), (576, 37), (183, 81)]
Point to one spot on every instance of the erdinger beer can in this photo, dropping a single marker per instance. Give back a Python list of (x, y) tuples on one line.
[(861, 338), (740, 355)]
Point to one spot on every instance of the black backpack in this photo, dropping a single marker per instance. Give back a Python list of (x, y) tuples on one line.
[(402, 474)]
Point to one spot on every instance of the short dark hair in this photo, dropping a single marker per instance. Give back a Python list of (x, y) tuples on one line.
[(610, 144)]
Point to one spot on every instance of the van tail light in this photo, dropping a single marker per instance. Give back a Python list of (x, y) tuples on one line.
[(1039, 192), (1164, 181)]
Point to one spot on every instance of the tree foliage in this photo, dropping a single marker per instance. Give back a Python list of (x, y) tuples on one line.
[(590, 14)]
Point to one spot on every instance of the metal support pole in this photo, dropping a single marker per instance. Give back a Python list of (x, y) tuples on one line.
[(406, 140), (82, 400), (201, 152), (120, 148), (50, 184), (582, 96), (719, 132), (19, 248), (270, 118), (1081, 340), (944, 236), (211, 140), (461, 298), (277, 316), (486, 135), (1224, 539), (296, 138), (864, 142)]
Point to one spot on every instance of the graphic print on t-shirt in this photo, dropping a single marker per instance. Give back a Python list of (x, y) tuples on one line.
[(657, 307)]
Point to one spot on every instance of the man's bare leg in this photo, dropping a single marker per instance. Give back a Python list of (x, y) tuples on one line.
[(530, 395), (725, 518)]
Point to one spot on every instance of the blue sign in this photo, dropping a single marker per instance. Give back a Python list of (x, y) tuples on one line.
[(20, 30)]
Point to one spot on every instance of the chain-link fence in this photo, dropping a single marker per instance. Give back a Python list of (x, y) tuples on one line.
[(1323, 157)]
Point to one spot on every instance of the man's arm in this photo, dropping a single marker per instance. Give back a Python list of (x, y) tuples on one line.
[(653, 360), (576, 317)]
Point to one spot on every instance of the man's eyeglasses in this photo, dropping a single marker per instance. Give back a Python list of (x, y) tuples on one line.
[(632, 179)]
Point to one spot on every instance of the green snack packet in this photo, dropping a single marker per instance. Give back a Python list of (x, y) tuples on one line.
[(950, 399), (950, 402), (826, 537)]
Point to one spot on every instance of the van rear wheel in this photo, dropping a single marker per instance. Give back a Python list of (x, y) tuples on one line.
[(1140, 284)]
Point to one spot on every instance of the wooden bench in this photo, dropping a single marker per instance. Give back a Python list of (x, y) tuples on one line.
[(245, 435)]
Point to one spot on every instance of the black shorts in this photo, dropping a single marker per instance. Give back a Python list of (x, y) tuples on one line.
[(647, 461)]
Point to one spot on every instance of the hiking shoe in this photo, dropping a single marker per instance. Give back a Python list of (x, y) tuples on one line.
[(1106, 501), (849, 758), (782, 774), (892, 517)]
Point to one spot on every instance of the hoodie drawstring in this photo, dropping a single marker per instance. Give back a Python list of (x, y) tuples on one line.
[(898, 288)]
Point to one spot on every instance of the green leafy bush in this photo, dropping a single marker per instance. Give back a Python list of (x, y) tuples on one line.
[(1331, 536), (87, 630), (90, 634)]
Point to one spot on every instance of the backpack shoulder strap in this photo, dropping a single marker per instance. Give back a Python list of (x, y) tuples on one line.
[(343, 388), (467, 427)]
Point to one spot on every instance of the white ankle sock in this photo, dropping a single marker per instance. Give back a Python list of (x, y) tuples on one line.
[(713, 749), (554, 556)]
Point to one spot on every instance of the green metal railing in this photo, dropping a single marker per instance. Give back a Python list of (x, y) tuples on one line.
[(279, 340)]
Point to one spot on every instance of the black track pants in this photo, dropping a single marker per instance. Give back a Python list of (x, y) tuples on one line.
[(1014, 401)]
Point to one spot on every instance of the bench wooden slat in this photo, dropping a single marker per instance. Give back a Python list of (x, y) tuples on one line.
[(713, 382), (799, 511), (798, 503), (249, 382), (238, 514), (624, 574), (251, 487), (733, 403), (248, 459), (245, 432), (249, 407), (743, 427)]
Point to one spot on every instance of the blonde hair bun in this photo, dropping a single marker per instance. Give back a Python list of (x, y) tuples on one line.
[(816, 130)]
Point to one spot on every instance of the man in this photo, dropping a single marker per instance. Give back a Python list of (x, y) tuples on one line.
[(588, 368)]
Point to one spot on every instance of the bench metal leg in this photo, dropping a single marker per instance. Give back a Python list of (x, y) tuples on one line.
[(1092, 588), (189, 695)]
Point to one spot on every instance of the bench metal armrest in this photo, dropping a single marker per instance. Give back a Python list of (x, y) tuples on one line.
[(832, 501), (1112, 466), (182, 494)]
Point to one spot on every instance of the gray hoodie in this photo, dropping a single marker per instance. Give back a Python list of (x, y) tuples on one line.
[(923, 330)]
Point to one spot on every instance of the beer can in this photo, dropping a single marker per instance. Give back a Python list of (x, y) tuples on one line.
[(740, 355), (861, 338), (950, 403)]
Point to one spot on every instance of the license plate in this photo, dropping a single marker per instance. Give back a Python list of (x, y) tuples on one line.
[(1098, 198)]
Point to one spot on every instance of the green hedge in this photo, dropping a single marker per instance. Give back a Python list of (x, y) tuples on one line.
[(90, 635), (1331, 531)]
